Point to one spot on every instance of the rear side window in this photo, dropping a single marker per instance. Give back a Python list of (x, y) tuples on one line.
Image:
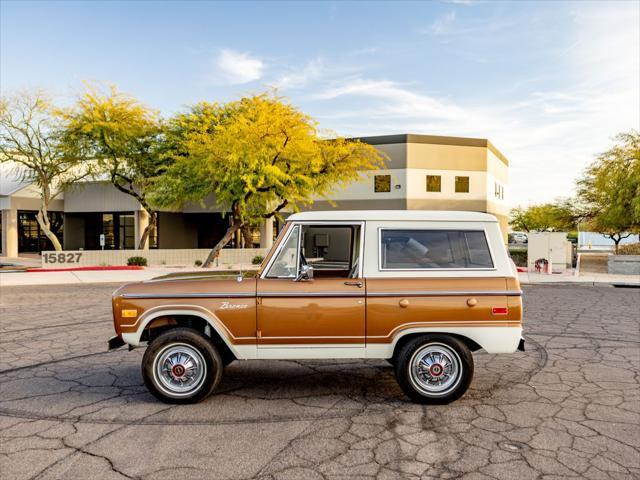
[(425, 249)]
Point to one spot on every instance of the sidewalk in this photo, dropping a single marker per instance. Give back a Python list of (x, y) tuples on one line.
[(102, 276), (583, 279), (66, 278)]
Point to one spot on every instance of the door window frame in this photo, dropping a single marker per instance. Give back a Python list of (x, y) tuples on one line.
[(291, 228), (276, 254)]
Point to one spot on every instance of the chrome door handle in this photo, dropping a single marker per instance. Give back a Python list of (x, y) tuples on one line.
[(355, 284)]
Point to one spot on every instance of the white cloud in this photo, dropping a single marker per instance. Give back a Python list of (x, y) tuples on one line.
[(397, 101), (313, 70), (238, 68), (441, 25)]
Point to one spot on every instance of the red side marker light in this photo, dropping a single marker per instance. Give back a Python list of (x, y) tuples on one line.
[(500, 310)]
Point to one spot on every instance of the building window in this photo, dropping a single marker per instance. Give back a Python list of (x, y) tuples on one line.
[(434, 183), (31, 238), (108, 231), (118, 230), (382, 183), (462, 184), (126, 237)]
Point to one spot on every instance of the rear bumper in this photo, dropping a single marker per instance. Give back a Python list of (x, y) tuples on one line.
[(115, 342)]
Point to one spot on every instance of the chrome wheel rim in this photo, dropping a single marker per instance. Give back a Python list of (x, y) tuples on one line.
[(435, 369), (179, 369)]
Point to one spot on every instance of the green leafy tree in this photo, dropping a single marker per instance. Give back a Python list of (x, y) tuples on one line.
[(121, 138), (257, 155), (546, 217), (30, 140), (609, 190)]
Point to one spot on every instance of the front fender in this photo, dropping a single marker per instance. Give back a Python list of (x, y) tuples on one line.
[(133, 338)]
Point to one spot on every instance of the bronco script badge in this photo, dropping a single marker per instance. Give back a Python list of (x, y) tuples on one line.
[(233, 306)]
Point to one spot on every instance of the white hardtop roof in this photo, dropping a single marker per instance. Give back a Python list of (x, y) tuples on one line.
[(394, 215)]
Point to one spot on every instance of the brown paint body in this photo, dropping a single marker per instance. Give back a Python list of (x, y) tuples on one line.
[(324, 311)]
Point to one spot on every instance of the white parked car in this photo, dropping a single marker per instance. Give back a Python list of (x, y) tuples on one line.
[(519, 237)]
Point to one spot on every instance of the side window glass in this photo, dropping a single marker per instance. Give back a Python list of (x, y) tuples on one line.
[(332, 250), (477, 250), (425, 249), (286, 263)]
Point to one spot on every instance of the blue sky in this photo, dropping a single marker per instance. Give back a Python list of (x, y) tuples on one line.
[(548, 83)]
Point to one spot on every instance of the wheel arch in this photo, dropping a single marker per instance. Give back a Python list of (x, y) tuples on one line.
[(400, 342), (169, 317), (493, 339)]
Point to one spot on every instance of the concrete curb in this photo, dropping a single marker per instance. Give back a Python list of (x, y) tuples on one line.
[(582, 284)]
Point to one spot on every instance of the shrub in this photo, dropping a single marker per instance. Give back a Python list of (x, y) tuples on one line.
[(257, 260), (519, 257), (631, 249), (137, 261), (198, 263)]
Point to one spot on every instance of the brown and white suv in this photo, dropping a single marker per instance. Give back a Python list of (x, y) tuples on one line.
[(419, 289)]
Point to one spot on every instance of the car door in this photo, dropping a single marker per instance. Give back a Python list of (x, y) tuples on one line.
[(312, 317)]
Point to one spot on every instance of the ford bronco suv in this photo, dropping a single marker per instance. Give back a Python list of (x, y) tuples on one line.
[(421, 289)]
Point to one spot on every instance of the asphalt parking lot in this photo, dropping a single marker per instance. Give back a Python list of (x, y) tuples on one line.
[(567, 407)]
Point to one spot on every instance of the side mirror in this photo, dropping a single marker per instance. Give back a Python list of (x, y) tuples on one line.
[(306, 273)]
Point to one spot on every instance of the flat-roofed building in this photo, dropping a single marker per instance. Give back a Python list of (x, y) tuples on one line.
[(422, 172), (19, 206), (426, 172)]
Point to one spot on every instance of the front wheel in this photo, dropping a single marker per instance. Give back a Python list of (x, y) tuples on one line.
[(434, 369), (181, 366)]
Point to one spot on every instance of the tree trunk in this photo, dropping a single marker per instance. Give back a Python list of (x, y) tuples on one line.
[(153, 224), (247, 236), (617, 242), (237, 225), (43, 221)]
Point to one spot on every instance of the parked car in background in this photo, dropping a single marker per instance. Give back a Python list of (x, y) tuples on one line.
[(519, 237), (420, 289)]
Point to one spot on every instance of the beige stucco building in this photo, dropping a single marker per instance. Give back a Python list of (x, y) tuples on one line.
[(423, 172), (426, 172)]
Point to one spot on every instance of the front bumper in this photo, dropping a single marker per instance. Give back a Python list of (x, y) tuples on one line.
[(115, 342)]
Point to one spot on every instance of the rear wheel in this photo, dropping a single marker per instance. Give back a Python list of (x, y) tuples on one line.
[(181, 366), (434, 369)]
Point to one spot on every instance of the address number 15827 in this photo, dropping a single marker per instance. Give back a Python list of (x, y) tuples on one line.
[(71, 257)]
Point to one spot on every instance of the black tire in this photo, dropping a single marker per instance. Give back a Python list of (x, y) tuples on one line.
[(418, 388), (193, 353)]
